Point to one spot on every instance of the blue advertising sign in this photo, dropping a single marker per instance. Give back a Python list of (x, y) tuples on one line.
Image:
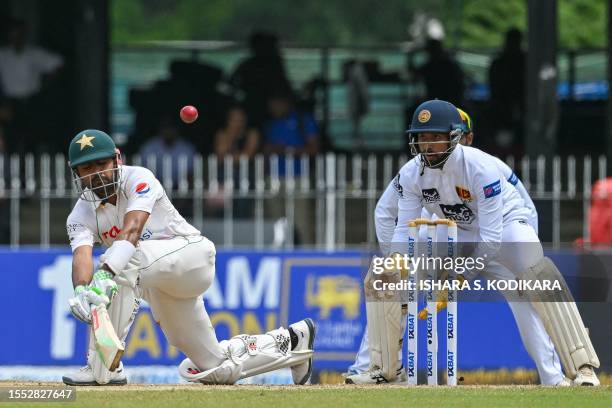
[(253, 292)]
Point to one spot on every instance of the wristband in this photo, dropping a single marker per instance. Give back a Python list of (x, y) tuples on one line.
[(118, 255), (102, 274)]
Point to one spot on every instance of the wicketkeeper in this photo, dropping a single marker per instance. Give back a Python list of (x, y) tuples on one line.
[(437, 165)]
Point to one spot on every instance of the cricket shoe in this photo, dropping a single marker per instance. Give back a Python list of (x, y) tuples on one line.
[(85, 376), (305, 332), (376, 377), (586, 376), (350, 372), (565, 382)]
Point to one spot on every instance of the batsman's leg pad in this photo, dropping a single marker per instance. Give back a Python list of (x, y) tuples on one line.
[(248, 356), (385, 314), (562, 320), (122, 313)]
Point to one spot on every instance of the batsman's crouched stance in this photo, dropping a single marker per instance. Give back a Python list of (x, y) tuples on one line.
[(486, 199), (154, 254)]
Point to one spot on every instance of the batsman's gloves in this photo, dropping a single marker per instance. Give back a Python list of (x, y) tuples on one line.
[(84, 298), (103, 280)]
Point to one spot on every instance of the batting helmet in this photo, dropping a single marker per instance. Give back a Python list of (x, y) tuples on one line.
[(436, 116), (89, 145)]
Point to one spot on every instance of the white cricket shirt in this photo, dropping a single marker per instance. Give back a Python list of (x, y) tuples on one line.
[(139, 190), (469, 189), (386, 212)]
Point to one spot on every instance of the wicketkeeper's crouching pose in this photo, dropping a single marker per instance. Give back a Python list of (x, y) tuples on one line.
[(154, 254), (466, 185)]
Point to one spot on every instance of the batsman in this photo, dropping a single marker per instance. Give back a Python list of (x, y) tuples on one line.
[(153, 253)]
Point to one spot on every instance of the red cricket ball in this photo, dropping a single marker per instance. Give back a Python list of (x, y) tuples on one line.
[(189, 114)]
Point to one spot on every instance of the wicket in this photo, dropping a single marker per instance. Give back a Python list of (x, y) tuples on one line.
[(432, 320)]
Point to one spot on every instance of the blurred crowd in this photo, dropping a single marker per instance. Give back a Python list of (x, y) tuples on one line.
[(30, 110), (500, 120), (253, 109), (250, 110)]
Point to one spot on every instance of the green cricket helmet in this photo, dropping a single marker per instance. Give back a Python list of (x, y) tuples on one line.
[(88, 146)]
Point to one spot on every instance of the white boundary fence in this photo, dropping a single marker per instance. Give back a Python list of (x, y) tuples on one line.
[(331, 182)]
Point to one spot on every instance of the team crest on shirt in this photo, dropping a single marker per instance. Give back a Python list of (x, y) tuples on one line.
[(463, 193), (142, 189), (398, 187), (430, 195), (460, 213)]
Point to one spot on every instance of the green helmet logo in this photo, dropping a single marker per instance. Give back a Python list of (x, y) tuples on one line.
[(89, 145)]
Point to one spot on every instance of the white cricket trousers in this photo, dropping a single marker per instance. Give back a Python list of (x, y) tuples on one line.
[(173, 276), (512, 262)]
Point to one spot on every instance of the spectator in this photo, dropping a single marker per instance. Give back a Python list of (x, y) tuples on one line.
[(593, 262), (357, 96), (441, 74), (23, 71), (600, 214), (168, 143), (236, 138), (289, 130), (507, 85), (261, 71), (23, 67)]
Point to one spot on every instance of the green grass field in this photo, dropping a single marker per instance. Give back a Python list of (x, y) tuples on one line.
[(150, 396)]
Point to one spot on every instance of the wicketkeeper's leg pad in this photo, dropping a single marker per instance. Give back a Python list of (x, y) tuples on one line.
[(386, 314), (562, 319)]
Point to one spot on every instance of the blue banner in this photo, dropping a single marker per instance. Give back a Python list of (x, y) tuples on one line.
[(253, 292)]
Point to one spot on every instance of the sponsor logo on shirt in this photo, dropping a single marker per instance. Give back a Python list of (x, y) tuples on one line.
[(398, 187), (142, 189), (493, 189), (146, 234), (70, 228), (513, 179), (463, 193), (114, 231), (111, 233), (459, 213), (431, 195)]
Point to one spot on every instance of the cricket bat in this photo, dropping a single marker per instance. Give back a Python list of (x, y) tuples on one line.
[(109, 347)]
